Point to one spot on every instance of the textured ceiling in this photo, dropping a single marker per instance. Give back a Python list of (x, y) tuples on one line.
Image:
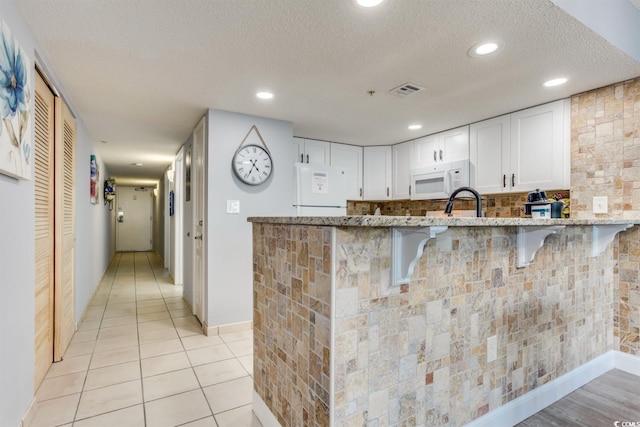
[(141, 73)]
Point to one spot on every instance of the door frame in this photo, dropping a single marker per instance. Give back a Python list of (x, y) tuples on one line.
[(199, 229), (150, 207)]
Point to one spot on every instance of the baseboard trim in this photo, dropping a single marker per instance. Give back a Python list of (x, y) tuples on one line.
[(30, 414), (627, 362), (228, 328), (534, 401), (262, 412)]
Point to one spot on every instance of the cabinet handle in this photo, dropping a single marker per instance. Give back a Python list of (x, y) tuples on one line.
[(409, 189), (307, 158), (435, 159), (301, 158), (387, 191), (504, 181), (441, 155), (361, 192), (513, 179)]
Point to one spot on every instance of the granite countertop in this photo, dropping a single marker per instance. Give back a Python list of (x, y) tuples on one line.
[(420, 221)]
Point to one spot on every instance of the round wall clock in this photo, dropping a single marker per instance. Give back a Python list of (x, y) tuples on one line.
[(252, 164)]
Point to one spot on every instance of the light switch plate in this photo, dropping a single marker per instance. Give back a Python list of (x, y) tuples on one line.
[(600, 205), (233, 206)]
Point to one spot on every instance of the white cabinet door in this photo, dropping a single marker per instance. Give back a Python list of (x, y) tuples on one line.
[(298, 149), (448, 146), (312, 151), (489, 155), (402, 155), (454, 145), (350, 158), (538, 148), (377, 173), (426, 150)]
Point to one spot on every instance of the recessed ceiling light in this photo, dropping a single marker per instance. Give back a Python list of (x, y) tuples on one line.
[(484, 48), (415, 127), (264, 95), (555, 82), (369, 3)]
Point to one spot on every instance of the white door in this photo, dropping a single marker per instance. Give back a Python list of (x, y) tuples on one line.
[(178, 212), (134, 219), (199, 228)]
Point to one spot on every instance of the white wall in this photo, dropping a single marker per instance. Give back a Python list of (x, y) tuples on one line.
[(229, 240), (617, 21), (94, 227), (17, 250)]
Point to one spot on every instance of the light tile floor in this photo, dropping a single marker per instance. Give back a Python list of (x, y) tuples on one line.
[(139, 358)]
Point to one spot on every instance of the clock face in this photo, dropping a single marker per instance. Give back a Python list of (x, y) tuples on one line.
[(252, 164)]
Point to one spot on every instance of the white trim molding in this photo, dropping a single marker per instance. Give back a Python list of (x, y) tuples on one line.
[(536, 400), (263, 413), (30, 414), (229, 328)]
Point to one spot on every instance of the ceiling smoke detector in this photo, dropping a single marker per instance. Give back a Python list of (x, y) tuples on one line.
[(407, 89)]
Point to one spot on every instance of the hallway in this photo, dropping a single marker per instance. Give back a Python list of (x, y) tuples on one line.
[(139, 358)]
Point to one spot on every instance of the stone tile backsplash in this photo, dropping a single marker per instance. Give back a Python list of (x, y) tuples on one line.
[(493, 205), (605, 161)]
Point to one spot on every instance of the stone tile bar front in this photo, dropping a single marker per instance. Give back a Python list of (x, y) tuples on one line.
[(336, 344)]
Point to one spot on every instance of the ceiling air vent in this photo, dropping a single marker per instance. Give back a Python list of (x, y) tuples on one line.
[(407, 89)]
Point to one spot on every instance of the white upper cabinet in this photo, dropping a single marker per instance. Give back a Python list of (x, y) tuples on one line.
[(350, 158), (377, 173), (490, 155), (402, 162), (540, 145), (449, 146), (522, 151), (312, 151)]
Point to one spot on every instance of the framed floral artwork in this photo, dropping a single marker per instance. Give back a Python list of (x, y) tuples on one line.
[(16, 151), (94, 180)]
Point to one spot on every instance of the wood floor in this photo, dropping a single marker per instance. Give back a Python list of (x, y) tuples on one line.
[(614, 396)]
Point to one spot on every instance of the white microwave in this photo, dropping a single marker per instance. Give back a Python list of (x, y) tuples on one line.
[(439, 181)]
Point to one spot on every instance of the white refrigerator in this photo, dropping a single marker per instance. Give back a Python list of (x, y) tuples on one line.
[(319, 190)]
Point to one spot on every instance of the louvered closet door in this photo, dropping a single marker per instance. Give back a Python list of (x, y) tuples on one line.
[(64, 320), (44, 244)]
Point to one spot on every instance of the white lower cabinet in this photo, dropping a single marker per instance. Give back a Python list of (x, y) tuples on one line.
[(522, 151), (377, 173)]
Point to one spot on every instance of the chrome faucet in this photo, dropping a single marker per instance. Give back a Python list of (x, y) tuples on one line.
[(449, 206)]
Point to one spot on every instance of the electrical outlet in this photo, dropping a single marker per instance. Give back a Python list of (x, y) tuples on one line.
[(233, 206), (492, 348), (600, 205)]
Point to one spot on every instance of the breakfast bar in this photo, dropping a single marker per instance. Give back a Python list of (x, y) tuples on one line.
[(387, 320)]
